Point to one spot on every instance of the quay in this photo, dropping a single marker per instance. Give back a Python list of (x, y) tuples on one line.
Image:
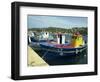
[(34, 59)]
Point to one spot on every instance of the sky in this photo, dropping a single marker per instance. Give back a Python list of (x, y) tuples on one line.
[(41, 21)]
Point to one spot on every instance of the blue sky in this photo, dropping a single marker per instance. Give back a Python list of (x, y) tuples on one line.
[(40, 21)]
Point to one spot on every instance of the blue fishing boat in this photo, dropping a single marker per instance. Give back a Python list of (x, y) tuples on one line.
[(62, 48)]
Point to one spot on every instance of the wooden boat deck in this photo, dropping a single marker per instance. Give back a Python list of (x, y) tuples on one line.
[(34, 59)]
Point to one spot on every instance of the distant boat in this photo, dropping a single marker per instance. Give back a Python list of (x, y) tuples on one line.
[(31, 37), (44, 36)]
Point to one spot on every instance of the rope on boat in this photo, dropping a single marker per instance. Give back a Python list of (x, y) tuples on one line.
[(60, 50)]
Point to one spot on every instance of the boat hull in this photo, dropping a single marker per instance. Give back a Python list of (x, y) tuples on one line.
[(62, 51)]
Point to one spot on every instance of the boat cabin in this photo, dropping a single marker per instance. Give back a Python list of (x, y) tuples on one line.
[(60, 38), (77, 40)]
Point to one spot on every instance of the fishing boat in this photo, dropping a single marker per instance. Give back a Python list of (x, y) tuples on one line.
[(45, 36), (37, 38), (62, 48)]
